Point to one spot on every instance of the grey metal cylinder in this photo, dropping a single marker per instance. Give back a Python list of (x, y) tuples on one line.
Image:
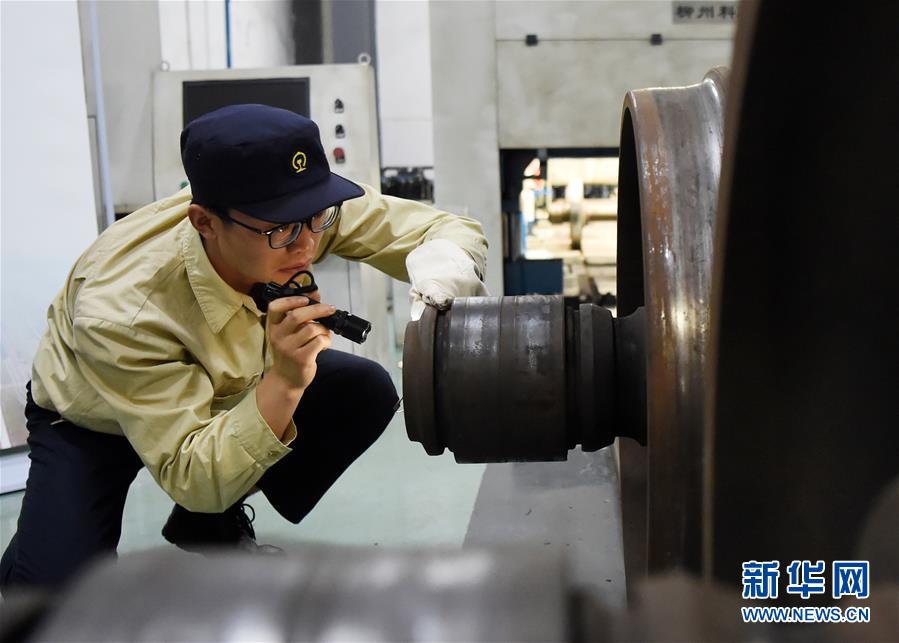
[(522, 378), (501, 382)]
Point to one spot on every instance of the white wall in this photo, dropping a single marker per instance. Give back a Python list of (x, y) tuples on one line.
[(404, 82), (192, 33), (466, 147), (47, 209), (568, 90), (127, 38), (261, 33)]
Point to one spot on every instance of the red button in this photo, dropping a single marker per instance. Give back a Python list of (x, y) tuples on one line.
[(339, 155)]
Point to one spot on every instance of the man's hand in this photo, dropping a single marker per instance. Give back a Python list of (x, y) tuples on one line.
[(440, 271), (296, 342)]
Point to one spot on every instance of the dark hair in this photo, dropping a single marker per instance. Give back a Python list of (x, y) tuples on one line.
[(218, 210)]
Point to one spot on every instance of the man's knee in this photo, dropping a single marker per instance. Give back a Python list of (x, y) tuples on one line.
[(368, 386), (378, 395), (374, 399), (379, 386)]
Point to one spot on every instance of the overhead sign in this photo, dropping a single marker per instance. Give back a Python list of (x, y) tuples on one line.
[(703, 12)]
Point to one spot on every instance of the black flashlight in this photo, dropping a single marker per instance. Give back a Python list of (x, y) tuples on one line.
[(341, 322)]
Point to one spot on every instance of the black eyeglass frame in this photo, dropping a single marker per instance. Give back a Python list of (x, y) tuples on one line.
[(268, 233)]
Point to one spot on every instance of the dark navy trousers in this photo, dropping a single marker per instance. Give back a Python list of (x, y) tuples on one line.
[(79, 479)]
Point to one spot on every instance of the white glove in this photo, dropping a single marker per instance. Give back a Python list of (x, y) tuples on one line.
[(439, 270)]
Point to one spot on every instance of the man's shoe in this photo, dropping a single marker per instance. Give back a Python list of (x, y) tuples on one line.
[(198, 532)]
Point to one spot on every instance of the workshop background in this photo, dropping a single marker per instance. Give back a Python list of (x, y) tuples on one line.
[(525, 115)]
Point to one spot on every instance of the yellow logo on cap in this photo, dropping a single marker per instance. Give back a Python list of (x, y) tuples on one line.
[(299, 162)]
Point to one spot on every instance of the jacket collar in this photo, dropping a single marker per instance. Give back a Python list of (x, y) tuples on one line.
[(218, 301)]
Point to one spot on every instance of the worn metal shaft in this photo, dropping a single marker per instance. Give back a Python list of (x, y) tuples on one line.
[(523, 379)]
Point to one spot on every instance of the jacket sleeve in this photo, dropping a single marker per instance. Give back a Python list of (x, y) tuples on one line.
[(205, 451), (381, 230)]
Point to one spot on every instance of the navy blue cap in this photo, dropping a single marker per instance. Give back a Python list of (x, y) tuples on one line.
[(264, 161)]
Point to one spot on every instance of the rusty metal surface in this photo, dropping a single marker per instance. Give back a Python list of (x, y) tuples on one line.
[(488, 379), (523, 379), (418, 382), (668, 187), (502, 389), (805, 355)]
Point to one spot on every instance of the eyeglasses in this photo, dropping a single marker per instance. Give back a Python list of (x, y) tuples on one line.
[(285, 234)]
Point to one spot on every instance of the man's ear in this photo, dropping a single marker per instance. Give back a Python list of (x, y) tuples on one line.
[(203, 220)]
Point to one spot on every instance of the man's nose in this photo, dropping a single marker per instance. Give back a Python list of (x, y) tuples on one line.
[(306, 240)]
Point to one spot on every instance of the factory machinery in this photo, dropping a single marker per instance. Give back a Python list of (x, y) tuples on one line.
[(750, 375), (748, 383)]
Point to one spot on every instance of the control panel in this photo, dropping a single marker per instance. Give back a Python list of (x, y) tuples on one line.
[(339, 98)]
